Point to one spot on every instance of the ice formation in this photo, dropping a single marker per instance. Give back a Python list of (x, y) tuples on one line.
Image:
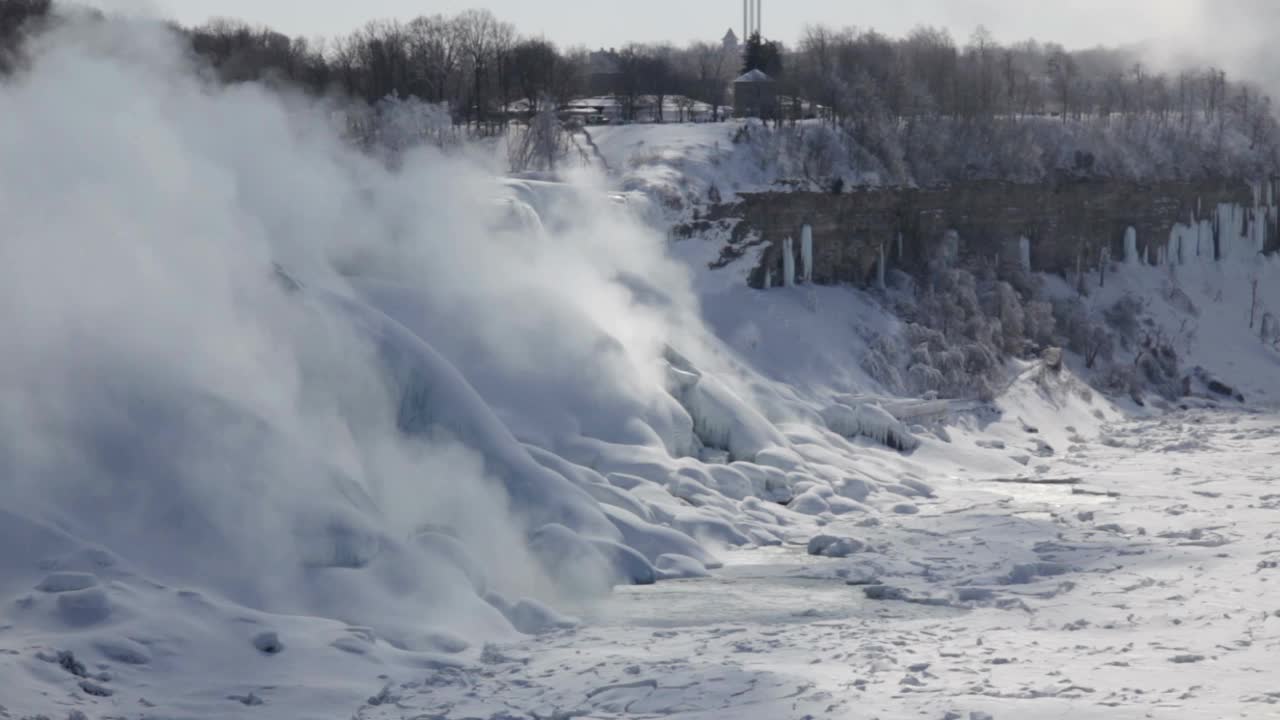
[(872, 422), (881, 270), (788, 263), (806, 253)]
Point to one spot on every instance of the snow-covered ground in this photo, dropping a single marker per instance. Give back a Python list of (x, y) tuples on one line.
[(1144, 588), (286, 434)]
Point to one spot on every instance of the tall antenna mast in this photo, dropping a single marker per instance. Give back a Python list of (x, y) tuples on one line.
[(752, 10)]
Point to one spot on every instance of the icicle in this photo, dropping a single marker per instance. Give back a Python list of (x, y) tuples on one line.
[(1225, 220), (899, 247), (1173, 254), (1273, 225), (806, 253), (951, 247), (880, 270), (788, 263), (1257, 228), (1146, 254), (1024, 253), (1130, 246), (768, 278)]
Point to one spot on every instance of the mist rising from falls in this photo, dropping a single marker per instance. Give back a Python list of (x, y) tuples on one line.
[(168, 396)]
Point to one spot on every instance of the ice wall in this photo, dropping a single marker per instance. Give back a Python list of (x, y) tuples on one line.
[(1231, 231)]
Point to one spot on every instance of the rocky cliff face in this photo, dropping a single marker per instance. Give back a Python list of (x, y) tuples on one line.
[(1065, 226)]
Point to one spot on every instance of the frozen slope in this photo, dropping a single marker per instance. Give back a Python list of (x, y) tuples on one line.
[(1204, 307)]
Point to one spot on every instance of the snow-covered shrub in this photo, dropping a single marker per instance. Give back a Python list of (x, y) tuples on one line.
[(395, 124), (957, 343), (1179, 299), (1123, 317), (1039, 323), (1157, 365), (923, 379), (1117, 377), (882, 362), (1012, 319), (543, 144), (1081, 332)]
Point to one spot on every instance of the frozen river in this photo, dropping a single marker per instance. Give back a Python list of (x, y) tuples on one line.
[(1148, 590)]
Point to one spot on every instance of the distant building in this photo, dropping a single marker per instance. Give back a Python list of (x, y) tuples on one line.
[(755, 95), (604, 75), (593, 111), (730, 40)]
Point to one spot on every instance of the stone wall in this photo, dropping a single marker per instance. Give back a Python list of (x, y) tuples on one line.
[(1065, 224)]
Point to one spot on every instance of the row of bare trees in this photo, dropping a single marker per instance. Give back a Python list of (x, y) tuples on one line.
[(476, 63), (485, 71), (470, 61), (849, 71)]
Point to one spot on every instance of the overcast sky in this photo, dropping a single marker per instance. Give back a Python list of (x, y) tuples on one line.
[(609, 23)]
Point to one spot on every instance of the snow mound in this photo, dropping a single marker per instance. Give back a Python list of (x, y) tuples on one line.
[(835, 547), (679, 567)]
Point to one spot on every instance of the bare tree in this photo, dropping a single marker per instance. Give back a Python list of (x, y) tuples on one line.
[(714, 66), (434, 48), (534, 65), (478, 39), (1062, 75), (658, 79), (541, 144)]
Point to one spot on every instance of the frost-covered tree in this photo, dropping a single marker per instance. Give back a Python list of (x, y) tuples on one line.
[(544, 144), (401, 123), (1040, 324)]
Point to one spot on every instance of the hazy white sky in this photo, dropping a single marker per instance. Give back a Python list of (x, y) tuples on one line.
[(605, 23)]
